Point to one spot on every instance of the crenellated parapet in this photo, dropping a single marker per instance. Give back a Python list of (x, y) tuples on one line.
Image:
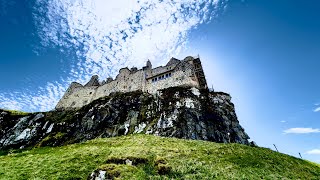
[(187, 72)]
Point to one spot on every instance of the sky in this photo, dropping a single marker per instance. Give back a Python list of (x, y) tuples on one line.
[(264, 53)]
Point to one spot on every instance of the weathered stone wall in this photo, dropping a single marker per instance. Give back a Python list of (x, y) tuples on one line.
[(181, 75), (124, 82), (79, 97), (175, 73)]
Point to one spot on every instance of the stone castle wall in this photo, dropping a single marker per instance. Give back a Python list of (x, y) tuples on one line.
[(147, 79), (181, 75)]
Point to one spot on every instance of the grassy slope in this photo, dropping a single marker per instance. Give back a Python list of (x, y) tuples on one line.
[(15, 112), (155, 158)]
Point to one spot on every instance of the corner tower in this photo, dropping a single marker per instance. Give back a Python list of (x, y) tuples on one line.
[(149, 65)]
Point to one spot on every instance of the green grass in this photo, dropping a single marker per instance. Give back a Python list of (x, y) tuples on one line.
[(154, 158), (16, 113)]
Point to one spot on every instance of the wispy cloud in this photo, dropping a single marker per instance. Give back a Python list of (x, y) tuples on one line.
[(108, 35), (317, 109), (301, 131), (314, 152), (42, 100), (283, 121)]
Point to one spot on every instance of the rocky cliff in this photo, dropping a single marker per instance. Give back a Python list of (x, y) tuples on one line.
[(180, 112)]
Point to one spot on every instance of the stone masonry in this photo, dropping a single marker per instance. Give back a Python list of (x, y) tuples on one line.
[(187, 72)]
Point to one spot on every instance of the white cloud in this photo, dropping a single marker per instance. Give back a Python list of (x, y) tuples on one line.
[(283, 121), (108, 35), (41, 100), (118, 33), (8, 103), (317, 109), (314, 152), (301, 131)]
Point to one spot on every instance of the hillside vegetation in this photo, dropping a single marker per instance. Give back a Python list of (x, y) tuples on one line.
[(151, 157), (15, 112)]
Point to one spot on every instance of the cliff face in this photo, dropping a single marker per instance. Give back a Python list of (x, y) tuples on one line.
[(175, 112)]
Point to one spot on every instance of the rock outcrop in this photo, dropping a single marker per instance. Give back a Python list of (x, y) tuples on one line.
[(179, 112)]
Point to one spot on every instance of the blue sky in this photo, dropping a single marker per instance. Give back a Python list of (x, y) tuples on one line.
[(264, 53)]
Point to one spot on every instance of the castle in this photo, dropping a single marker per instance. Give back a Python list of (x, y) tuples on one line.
[(187, 72)]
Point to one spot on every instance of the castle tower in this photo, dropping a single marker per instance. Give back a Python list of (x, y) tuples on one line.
[(149, 65), (146, 71)]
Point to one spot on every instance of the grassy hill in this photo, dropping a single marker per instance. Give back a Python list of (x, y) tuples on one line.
[(154, 158)]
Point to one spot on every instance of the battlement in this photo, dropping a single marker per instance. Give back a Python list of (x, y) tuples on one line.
[(187, 72)]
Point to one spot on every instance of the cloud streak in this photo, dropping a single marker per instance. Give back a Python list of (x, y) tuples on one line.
[(107, 35), (317, 109), (314, 152), (301, 131)]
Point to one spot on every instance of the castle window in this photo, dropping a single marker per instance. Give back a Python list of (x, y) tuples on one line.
[(89, 93), (169, 74)]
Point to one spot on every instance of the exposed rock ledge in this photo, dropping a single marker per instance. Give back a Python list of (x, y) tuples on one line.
[(175, 112)]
